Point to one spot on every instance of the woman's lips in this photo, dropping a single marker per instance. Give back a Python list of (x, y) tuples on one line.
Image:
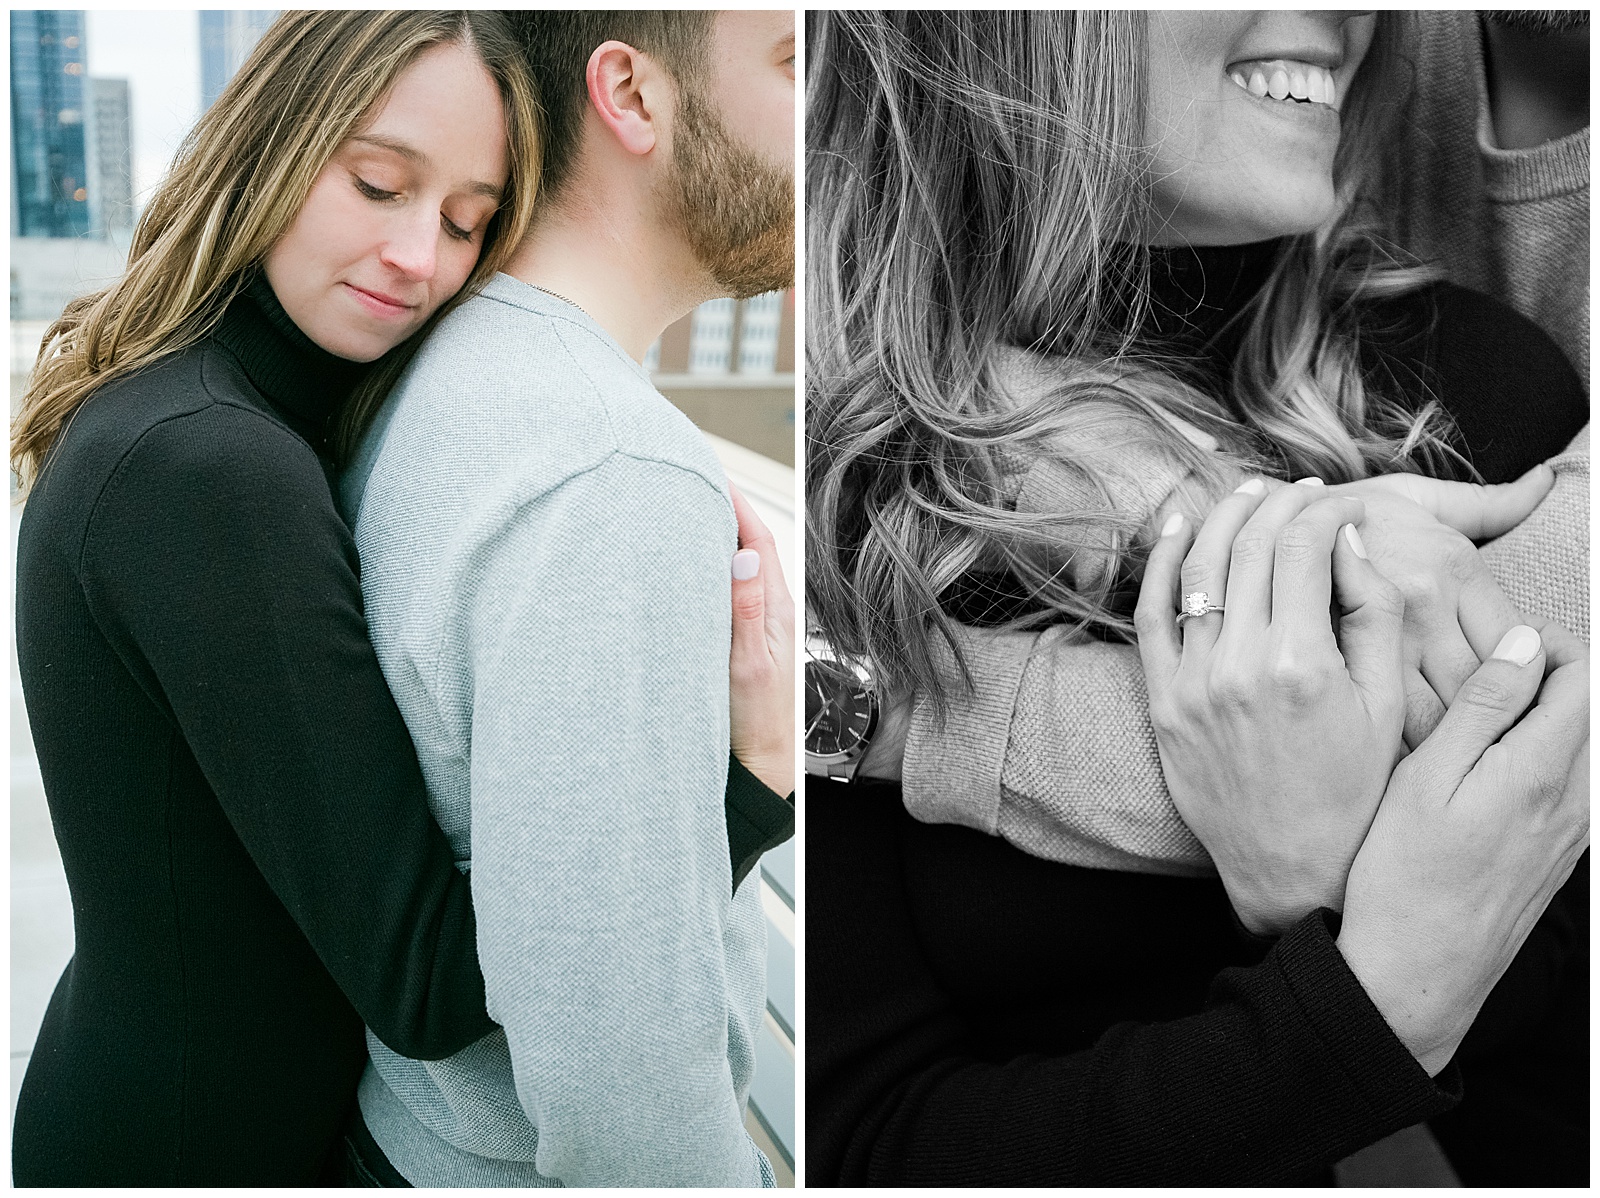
[(379, 304)]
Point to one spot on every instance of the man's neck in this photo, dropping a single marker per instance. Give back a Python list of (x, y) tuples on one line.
[(631, 278), (1538, 84)]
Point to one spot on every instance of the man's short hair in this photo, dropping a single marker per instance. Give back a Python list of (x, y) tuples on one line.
[(558, 45)]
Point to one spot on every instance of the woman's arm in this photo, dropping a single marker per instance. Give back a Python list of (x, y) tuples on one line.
[(1284, 1067), (760, 697), (218, 568)]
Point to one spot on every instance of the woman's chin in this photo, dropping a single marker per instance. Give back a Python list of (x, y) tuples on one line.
[(1284, 215), (351, 345)]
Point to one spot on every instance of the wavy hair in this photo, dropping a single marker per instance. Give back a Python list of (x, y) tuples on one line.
[(977, 185), (241, 178)]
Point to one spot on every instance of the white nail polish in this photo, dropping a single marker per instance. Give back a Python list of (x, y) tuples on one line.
[(746, 564), (1309, 481), (1354, 538), (1173, 524), (1519, 646), (1252, 487)]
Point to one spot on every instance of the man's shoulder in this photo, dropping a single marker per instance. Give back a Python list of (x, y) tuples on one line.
[(515, 393), (527, 367)]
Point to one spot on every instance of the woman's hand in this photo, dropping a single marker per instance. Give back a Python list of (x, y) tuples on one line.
[(1277, 729), (1479, 828), (761, 663), (1416, 533)]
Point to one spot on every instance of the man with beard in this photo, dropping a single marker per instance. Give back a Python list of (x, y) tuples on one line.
[(544, 543)]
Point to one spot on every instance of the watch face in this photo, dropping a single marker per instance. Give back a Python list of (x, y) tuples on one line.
[(838, 710)]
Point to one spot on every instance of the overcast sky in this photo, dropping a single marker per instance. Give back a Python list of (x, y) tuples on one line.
[(158, 53)]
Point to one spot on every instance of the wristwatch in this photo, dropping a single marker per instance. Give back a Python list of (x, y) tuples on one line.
[(841, 712)]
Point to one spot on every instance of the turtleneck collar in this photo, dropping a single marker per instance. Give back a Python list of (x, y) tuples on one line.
[(303, 381), (1197, 294)]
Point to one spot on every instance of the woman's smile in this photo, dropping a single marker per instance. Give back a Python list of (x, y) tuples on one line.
[(1301, 82), (381, 304), (1243, 120)]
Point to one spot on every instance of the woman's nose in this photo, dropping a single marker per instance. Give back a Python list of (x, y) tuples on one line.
[(1334, 17), (413, 245)]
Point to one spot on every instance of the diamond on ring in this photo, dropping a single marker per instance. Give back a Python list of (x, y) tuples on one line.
[(1196, 603)]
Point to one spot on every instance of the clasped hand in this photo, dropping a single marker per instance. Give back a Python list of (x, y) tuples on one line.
[(1278, 721), (1277, 726), (1419, 533)]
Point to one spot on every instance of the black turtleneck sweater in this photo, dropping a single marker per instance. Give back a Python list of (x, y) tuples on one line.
[(245, 830), (977, 1016), (239, 809)]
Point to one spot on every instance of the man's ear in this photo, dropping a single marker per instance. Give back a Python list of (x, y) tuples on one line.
[(629, 93)]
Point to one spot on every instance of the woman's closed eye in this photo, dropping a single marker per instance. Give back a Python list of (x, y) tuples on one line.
[(371, 191), (379, 194)]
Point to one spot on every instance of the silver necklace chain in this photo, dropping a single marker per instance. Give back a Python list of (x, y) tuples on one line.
[(559, 296)]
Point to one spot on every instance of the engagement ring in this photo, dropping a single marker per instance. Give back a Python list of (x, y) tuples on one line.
[(1196, 603)]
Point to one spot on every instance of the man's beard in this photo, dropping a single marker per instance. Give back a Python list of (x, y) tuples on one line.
[(736, 210), (1542, 22)]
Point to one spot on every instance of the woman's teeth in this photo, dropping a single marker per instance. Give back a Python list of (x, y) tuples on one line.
[(1299, 81)]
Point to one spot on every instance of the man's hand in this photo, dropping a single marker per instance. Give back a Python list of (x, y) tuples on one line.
[(1417, 532), (761, 662)]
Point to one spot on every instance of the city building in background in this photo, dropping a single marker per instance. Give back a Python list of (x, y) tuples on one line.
[(226, 39), (49, 169), (108, 140), (729, 366), (72, 210)]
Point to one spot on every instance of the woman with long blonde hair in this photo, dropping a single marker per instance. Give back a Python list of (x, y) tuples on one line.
[(245, 833), (244, 825), (1075, 280)]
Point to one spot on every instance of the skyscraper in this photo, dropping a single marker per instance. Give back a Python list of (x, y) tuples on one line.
[(50, 189), (226, 39), (109, 144)]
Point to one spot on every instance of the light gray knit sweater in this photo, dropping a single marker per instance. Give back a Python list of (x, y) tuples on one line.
[(1053, 750), (544, 551)]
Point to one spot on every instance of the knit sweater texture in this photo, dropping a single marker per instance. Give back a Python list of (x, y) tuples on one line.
[(1513, 224), (545, 544)]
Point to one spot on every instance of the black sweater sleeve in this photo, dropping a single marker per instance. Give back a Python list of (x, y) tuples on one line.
[(215, 563), (759, 819), (1287, 1068)]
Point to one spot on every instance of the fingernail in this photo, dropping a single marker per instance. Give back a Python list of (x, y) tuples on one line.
[(1254, 487), (746, 564), (1311, 481), (1351, 535), (1519, 646), (1173, 524)]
